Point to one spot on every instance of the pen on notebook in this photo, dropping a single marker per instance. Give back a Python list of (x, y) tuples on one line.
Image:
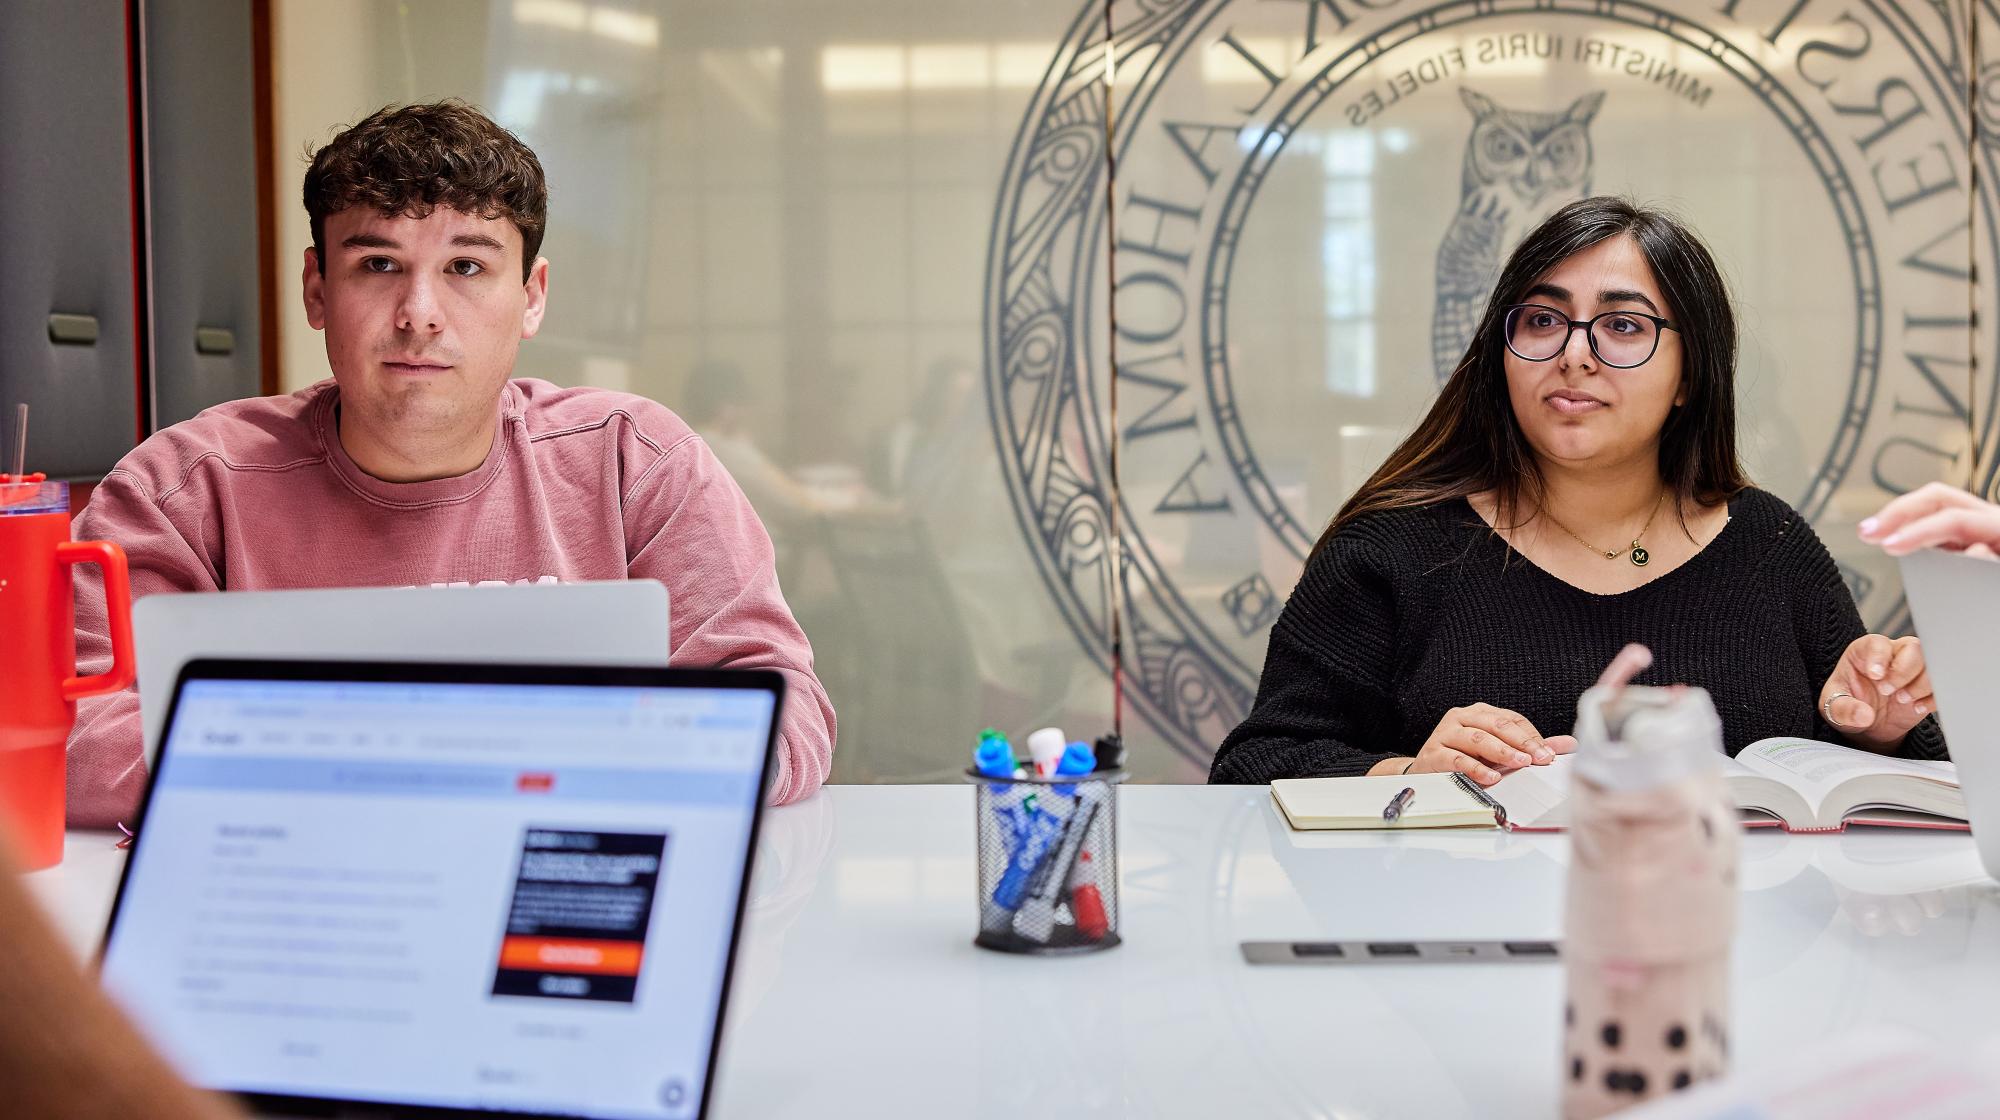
[(1399, 803)]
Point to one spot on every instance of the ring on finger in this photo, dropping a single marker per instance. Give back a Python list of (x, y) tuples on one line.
[(1826, 706)]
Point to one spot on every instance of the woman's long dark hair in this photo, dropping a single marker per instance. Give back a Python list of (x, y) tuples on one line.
[(1471, 442)]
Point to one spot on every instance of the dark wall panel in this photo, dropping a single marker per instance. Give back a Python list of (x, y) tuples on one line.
[(66, 227), (202, 152)]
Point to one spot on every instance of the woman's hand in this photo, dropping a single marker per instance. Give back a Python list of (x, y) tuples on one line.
[(1878, 691), (1935, 515), (1484, 742)]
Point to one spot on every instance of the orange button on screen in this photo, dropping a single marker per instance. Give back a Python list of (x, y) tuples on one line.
[(553, 954)]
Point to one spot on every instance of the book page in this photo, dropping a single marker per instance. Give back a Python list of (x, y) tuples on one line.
[(1826, 765), (1814, 768), (1759, 793), (1536, 796), (1839, 779)]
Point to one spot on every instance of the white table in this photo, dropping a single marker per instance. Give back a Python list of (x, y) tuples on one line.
[(859, 991)]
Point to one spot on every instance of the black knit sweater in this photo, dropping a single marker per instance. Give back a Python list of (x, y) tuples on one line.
[(1408, 614)]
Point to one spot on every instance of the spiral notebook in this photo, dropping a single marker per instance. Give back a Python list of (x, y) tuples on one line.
[(1441, 801)]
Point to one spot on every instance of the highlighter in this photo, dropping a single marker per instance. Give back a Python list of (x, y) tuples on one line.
[(1085, 901)]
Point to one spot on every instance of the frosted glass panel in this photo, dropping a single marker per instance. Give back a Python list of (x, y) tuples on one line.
[(1313, 200), (774, 218), (872, 251)]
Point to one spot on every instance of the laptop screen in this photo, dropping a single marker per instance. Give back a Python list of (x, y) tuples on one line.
[(518, 896)]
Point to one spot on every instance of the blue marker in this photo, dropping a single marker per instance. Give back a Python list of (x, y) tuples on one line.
[(1014, 814), (994, 758), (1077, 760), (1012, 818), (1041, 832)]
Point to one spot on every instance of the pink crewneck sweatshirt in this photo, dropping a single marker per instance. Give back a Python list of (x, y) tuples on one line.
[(581, 484)]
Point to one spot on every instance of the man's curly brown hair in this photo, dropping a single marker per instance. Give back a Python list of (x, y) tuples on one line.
[(409, 161)]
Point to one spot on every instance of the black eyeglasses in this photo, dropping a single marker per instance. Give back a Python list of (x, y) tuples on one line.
[(1620, 339)]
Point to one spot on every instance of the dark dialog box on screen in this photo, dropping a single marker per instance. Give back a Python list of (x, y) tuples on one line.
[(577, 926)]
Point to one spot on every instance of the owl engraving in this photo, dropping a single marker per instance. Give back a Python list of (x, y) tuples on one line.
[(1519, 168)]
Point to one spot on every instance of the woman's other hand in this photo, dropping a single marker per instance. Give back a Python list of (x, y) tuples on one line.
[(1878, 691)]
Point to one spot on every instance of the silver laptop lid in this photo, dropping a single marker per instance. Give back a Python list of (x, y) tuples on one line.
[(622, 622), (1955, 603)]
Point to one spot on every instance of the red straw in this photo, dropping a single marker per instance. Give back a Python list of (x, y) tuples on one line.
[(16, 486), (21, 439)]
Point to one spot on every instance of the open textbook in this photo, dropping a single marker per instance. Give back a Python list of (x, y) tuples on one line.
[(1796, 784)]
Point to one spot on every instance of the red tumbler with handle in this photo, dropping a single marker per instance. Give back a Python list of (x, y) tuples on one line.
[(39, 687)]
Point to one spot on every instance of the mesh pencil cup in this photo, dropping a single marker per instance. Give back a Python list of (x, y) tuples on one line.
[(1048, 862)]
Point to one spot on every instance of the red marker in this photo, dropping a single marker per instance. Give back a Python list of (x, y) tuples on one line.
[(1085, 902)]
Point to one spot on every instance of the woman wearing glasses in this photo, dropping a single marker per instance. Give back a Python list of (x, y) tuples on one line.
[(1575, 487)]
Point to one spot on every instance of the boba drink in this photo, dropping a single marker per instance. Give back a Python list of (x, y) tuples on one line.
[(1651, 905)]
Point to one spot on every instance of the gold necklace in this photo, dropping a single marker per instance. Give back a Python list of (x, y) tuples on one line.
[(1640, 557)]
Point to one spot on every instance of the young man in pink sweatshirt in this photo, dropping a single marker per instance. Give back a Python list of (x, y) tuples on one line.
[(421, 463)]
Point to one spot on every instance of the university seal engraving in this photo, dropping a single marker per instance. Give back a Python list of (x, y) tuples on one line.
[(1309, 204)]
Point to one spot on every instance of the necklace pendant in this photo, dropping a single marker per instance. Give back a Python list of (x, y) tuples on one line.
[(1639, 555)]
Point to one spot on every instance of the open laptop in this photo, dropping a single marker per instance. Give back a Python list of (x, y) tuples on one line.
[(1955, 603), (617, 622), (451, 890)]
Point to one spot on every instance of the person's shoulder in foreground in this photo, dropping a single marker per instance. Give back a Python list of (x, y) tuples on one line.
[(66, 1050)]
